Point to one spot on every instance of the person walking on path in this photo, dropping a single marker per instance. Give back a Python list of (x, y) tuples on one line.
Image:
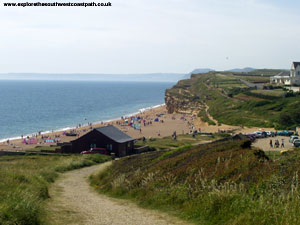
[(271, 143), (277, 143), (282, 143)]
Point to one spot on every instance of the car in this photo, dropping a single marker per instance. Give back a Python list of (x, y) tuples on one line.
[(270, 133), (260, 134), (293, 138), (297, 143), (102, 151), (284, 133), (250, 136)]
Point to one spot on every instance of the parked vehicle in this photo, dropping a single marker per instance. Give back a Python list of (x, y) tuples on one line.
[(260, 134), (270, 133), (102, 151), (285, 133), (297, 143), (293, 138), (251, 137)]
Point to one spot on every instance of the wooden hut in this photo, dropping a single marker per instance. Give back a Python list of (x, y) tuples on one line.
[(108, 137)]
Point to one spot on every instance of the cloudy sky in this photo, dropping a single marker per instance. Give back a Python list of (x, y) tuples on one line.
[(146, 36)]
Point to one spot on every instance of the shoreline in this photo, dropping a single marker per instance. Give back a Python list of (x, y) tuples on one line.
[(96, 123), (17, 145), (154, 122)]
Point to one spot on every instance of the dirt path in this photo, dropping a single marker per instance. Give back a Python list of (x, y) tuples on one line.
[(73, 201)]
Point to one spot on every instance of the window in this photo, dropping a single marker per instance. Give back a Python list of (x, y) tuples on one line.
[(109, 147)]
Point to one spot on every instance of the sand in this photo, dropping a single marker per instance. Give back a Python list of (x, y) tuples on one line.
[(181, 123), (171, 123)]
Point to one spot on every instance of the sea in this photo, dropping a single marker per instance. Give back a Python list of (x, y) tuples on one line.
[(27, 107)]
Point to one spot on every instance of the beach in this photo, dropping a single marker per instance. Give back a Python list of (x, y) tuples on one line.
[(167, 124), (147, 127)]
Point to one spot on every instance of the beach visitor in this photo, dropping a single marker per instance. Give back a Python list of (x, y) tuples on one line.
[(271, 143), (282, 143), (277, 143)]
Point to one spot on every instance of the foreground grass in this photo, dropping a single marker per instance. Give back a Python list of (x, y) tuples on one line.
[(25, 180), (218, 183)]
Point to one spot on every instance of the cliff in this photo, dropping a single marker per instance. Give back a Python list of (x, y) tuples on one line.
[(182, 99)]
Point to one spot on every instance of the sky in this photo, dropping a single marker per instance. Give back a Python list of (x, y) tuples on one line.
[(143, 36)]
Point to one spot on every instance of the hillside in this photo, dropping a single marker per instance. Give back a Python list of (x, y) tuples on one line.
[(225, 182), (236, 99)]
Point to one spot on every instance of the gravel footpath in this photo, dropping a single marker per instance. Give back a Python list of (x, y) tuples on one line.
[(264, 143), (73, 201)]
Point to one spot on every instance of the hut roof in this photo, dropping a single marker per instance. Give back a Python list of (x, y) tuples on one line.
[(114, 134)]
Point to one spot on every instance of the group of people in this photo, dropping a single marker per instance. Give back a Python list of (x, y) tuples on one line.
[(276, 143)]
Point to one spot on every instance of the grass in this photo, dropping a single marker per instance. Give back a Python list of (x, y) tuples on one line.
[(25, 180), (273, 93), (41, 148), (182, 139), (204, 117), (219, 183)]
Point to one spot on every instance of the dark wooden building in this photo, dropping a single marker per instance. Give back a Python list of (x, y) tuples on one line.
[(108, 137)]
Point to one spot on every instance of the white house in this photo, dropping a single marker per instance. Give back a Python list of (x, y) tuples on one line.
[(288, 78), (295, 73)]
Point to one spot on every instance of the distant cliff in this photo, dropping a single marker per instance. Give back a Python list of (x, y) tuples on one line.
[(180, 98)]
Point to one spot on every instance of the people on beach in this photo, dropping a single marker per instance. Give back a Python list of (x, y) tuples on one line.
[(174, 135), (271, 143)]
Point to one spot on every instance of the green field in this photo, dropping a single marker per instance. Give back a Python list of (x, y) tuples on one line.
[(43, 148), (186, 139), (219, 183), (24, 182), (274, 93)]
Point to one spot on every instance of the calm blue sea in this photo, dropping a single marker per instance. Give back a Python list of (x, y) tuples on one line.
[(27, 107)]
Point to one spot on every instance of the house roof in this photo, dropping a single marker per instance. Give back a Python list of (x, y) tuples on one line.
[(114, 134), (283, 74), (296, 64)]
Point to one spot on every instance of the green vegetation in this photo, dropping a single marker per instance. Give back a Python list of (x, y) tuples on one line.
[(204, 117), (42, 148), (219, 183), (25, 180), (168, 142), (231, 102), (273, 93)]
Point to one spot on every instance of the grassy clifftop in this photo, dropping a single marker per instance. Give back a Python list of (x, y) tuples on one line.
[(219, 183), (232, 102)]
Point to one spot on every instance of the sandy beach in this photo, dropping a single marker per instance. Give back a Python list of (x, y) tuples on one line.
[(165, 127), (167, 124)]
